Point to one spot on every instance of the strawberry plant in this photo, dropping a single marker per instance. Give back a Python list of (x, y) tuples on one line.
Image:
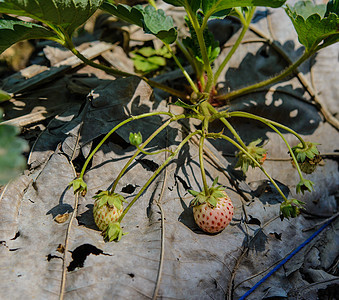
[(316, 26), (11, 147)]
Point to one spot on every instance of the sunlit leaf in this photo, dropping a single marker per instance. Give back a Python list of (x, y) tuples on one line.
[(68, 14), (315, 23), (151, 20), (13, 31)]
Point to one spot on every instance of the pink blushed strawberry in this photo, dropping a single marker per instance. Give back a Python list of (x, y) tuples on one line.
[(105, 214), (214, 219), (213, 209)]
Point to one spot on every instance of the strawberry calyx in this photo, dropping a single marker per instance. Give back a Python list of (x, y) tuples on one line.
[(302, 153), (135, 139), (78, 185), (304, 185), (290, 208), (308, 158), (211, 197), (109, 199), (257, 152), (113, 232)]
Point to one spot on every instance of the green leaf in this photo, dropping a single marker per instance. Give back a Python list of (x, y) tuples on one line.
[(219, 194), (193, 193), (4, 96), (151, 20), (147, 51), (315, 23), (290, 208), (193, 4), (157, 23), (221, 14), (211, 200), (212, 45), (150, 59), (133, 15), (13, 31), (67, 14), (212, 7), (79, 185), (11, 147), (114, 232), (146, 65), (332, 6), (215, 181), (304, 185), (307, 8), (176, 2)]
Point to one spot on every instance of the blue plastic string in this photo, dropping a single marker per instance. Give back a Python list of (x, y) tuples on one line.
[(277, 267)]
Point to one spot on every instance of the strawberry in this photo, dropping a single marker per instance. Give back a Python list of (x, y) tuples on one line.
[(106, 212), (262, 160), (308, 158), (257, 152), (78, 185), (212, 213), (290, 208)]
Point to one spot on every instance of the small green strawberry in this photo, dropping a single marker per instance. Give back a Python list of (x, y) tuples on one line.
[(78, 185), (308, 158), (113, 232), (106, 212), (214, 212), (135, 139), (304, 185), (290, 208), (258, 153)]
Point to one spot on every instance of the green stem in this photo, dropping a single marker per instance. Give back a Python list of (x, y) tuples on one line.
[(289, 149), (150, 138), (152, 2), (266, 121), (253, 159), (152, 153), (116, 128), (91, 63), (201, 162), (188, 56), (155, 174), (228, 125), (275, 79), (193, 18), (188, 77), (246, 24)]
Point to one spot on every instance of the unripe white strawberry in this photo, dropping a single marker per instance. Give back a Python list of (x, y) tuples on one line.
[(107, 209)]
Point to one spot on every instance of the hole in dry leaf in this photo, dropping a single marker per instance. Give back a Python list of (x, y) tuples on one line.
[(253, 221), (276, 235), (131, 275), (148, 165), (129, 188), (80, 254)]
